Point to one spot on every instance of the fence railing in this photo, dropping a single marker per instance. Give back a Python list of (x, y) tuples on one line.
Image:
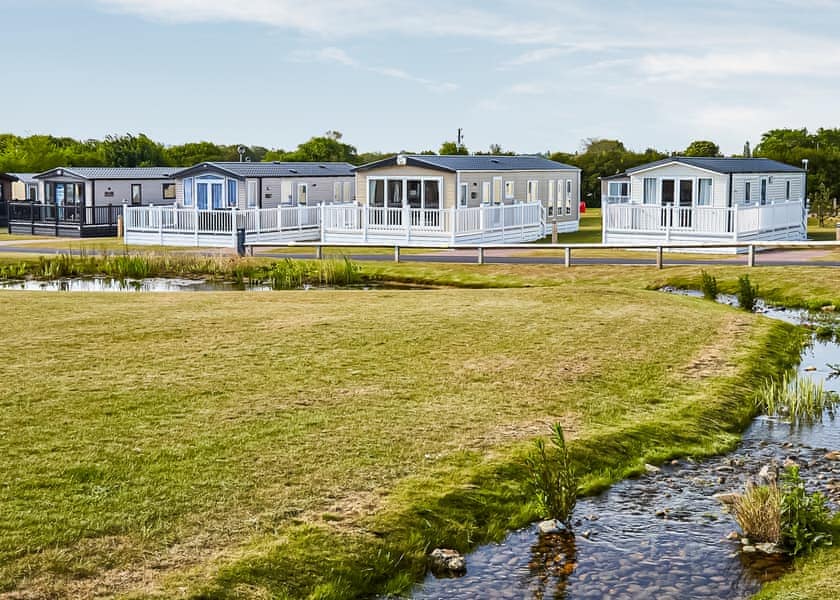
[(35, 212), (167, 219), (736, 221), (483, 218)]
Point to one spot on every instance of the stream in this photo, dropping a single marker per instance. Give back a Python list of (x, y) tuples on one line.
[(662, 534)]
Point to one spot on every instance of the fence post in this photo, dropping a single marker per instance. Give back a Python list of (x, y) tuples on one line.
[(452, 223), (659, 257), (502, 215), (735, 223), (365, 217), (407, 220), (567, 256), (319, 252), (521, 222), (751, 256), (322, 216), (481, 255)]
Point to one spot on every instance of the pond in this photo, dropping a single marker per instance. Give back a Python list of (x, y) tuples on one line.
[(663, 534), (166, 284)]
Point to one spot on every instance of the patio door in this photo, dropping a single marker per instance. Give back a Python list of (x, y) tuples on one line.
[(208, 194), (666, 199), (686, 202)]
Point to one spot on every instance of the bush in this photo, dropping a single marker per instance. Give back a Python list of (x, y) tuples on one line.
[(709, 286), (805, 518), (747, 293), (758, 513), (552, 478)]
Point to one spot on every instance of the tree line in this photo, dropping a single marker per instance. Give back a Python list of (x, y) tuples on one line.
[(596, 158)]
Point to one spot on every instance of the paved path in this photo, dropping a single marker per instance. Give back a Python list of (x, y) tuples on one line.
[(808, 257)]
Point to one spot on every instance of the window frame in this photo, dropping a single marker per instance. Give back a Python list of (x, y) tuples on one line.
[(510, 190), (163, 191), (231, 200), (188, 192), (139, 196)]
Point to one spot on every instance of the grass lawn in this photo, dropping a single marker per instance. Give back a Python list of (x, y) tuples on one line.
[(314, 444)]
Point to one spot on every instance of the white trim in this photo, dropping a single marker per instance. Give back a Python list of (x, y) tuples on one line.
[(404, 195)]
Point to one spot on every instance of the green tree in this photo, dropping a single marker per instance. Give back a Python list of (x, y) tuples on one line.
[(821, 205), (325, 148), (702, 148), (449, 148), (132, 151)]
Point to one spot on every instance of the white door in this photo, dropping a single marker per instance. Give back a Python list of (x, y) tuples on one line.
[(286, 193)]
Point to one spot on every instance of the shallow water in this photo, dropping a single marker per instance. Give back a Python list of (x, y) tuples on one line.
[(105, 284), (662, 534)]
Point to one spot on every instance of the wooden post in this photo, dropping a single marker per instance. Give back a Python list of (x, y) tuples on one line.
[(567, 256), (659, 257), (396, 254), (319, 252), (481, 255), (554, 232), (751, 256)]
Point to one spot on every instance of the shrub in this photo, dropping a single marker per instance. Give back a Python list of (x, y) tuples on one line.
[(552, 478), (747, 293), (709, 286), (758, 513), (805, 517)]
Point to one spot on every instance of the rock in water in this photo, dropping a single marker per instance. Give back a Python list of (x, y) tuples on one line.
[(651, 469), (769, 474), (445, 561), (769, 548), (833, 455), (551, 526), (727, 497)]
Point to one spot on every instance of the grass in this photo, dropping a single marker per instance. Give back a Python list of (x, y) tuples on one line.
[(225, 445), (759, 513), (799, 399)]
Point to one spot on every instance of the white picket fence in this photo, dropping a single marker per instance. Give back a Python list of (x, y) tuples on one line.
[(493, 224), (624, 223), (170, 226)]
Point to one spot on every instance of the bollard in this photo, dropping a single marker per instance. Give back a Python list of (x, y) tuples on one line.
[(838, 232), (659, 257), (480, 255), (240, 241), (396, 254), (319, 252), (751, 256), (554, 232), (121, 229)]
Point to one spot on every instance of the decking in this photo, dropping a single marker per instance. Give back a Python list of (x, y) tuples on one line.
[(646, 224), (168, 226), (34, 218), (406, 226)]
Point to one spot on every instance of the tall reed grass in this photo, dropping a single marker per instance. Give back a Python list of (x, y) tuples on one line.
[(280, 275), (799, 399)]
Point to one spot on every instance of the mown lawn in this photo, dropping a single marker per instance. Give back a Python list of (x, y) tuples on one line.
[(315, 443)]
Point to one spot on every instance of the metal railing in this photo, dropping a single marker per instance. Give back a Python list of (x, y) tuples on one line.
[(65, 215)]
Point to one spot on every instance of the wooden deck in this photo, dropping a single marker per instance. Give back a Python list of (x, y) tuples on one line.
[(34, 218)]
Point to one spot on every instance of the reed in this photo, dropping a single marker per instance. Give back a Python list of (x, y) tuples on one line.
[(759, 513), (799, 399)]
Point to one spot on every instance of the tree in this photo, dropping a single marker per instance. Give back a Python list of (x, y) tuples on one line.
[(449, 148), (821, 205), (702, 148), (325, 148), (132, 151)]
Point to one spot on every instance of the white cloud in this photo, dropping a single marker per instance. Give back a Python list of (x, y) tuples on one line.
[(331, 54)]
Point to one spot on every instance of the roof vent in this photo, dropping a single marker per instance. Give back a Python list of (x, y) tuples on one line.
[(322, 166), (494, 160), (401, 160), (293, 171)]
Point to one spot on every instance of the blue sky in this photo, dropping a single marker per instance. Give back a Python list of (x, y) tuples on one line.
[(531, 75)]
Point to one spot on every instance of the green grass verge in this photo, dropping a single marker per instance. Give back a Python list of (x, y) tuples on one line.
[(315, 444)]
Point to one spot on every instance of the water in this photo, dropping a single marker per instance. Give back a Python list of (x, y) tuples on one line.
[(166, 284), (104, 284), (661, 535)]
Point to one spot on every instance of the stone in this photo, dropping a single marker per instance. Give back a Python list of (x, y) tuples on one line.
[(651, 469), (727, 497), (733, 535), (586, 534), (748, 549), (828, 308), (768, 474), (833, 455), (769, 548), (810, 369), (550, 527), (789, 462), (448, 562), (745, 541)]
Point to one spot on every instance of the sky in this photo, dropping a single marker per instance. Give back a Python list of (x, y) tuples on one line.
[(529, 75)]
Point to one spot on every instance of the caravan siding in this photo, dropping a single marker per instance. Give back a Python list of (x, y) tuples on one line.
[(720, 183)]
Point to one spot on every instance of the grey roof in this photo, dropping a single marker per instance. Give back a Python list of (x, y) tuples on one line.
[(272, 169), (456, 163), (24, 177), (111, 172), (725, 165), (622, 175), (8, 177)]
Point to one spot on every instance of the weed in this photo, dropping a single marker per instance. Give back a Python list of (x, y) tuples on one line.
[(552, 478), (800, 399), (758, 513), (747, 293), (805, 518), (709, 286)]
